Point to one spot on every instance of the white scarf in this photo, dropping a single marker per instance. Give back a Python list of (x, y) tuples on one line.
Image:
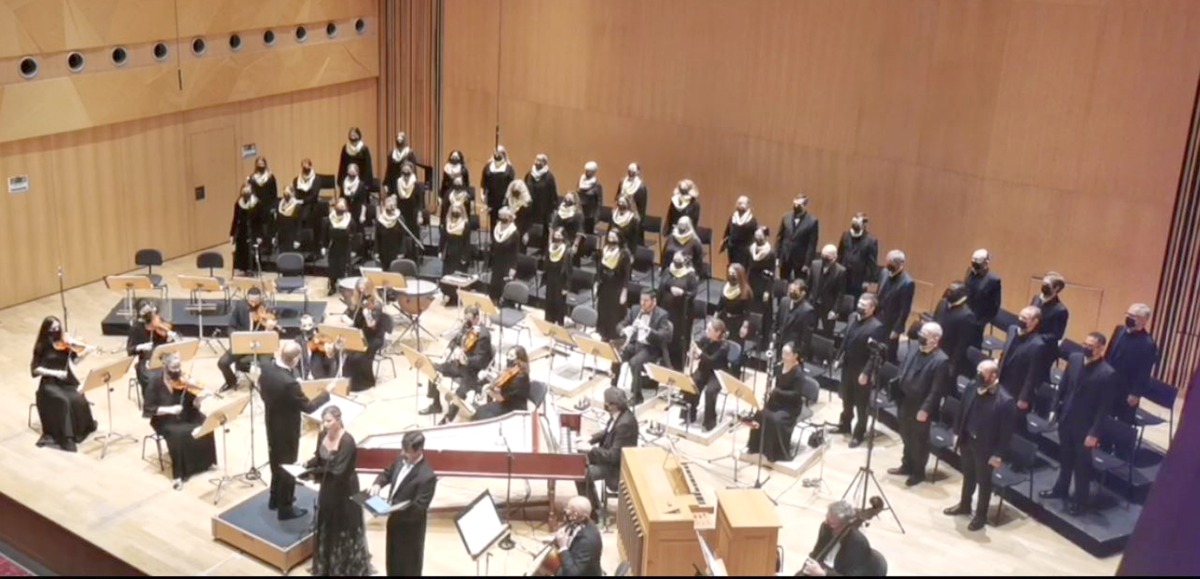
[(460, 198), (494, 168), (504, 231), (760, 252), (405, 189), (520, 200), (586, 182), (388, 220), (399, 154), (631, 186), (452, 170), (339, 222), (557, 251), (350, 185), (680, 201), (731, 291), (456, 226), (262, 178), (287, 206), (743, 218), (539, 173), (683, 239), (306, 183), (244, 204), (355, 148), (612, 255), (565, 211), (678, 271), (859, 234), (622, 218)]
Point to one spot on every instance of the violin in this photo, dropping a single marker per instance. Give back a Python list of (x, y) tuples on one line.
[(160, 328), (501, 382), (321, 344), (64, 344), (187, 384), (261, 317)]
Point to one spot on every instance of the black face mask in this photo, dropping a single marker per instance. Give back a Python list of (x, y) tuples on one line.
[(862, 312), (455, 160), (798, 209), (56, 334), (795, 296), (827, 260), (1130, 322), (341, 212), (175, 374), (976, 267), (1047, 291), (1021, 325), (891, 269), (922, 341), (856, 228), (497, 158), (510, 362)]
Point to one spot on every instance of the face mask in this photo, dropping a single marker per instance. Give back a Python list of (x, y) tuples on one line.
[(795, 296), (497, 157), (455, 160), (261, 168), (631, 174), (856, 228), (406, 173), (306, 169), (1047, 290), (891, 269), (976, 267), (922, 341), (511, 362), (798, 209), (174, 374), (341, 211), (557, 240), (1094, 355), (1130, 322), (613, 241), (1022, 325), (862, 312), (355, 138), (827, 260)]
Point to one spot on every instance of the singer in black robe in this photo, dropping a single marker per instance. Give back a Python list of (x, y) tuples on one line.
[(612, 274), (556, 265), (590, 194), (456, 245), (858, 252), (389, 237), (679, 308), (569, 218), (62, 409), (356, 152), (246, 230), (778, 418), (684, 203), (339, 534), (288, 220), (497, 174), (339, 233), (625, 221), (307, 187), (761, 272), (736, 300), (189, 455), (543, 190), (739, 234), (506, 245), (454, 168), (264, 186), (401, 154), (633, 187), (410, 199)]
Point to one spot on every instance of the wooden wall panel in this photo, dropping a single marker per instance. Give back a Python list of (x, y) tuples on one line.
[(1035, 128), (88, 187), (200, 17), (49, 26), (29, 259), (154, 186)]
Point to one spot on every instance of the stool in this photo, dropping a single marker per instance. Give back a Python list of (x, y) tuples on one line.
[(158, 440), (32, 407), (605, 494)]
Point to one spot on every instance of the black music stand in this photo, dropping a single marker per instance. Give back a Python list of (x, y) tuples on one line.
[(253, 344), (103, 376)]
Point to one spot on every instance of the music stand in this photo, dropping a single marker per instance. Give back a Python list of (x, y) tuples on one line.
[(740, 392), (314, 388), (128, 285), (555, 332), (253, 344), (187, 350), (424, 367), (103, 376), (480, 528), (241, 285), (195, 286), (596, 349), (220, 418), (346, 340), (487, 309), (672, 379)]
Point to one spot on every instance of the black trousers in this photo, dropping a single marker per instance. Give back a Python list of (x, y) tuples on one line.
[(636, 358), (1075, 462), (228, 362), (976, 473), (468, 383), (587, 488), (709, 390), (894, 349), (856, 399), (405, 556), (916, 439), (790, 271), (283, 486)]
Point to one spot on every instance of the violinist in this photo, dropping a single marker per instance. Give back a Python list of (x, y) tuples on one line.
[(249, 315), (470, 352), (146, 333), (63, 410), (173, 407), (579, 543), (366, 314), (510, 390), (841, 549), (712, 354), (319, 358)]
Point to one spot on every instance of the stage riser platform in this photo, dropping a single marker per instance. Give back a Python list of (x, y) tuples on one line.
[(253, 529), (215, 323)]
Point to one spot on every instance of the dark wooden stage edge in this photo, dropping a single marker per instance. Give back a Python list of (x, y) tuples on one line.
[(55, 548)]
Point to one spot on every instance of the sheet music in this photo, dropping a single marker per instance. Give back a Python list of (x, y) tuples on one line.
[(480, 526)]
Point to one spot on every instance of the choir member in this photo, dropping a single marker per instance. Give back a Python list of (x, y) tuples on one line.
[(335, 247), (1054, 312), (856, 384), (604, 448), (711, 352), (288, 221), (307, 188), (983, 430), (858, 252), (556, 265), (243, 317), (590, 194), (852, 555), (612, 275), (63, 410), (173, 406), (739, 233), (796, 319), (737, 298), (827, 278), (543, 189), (409, 194), (924, 379), (896, 290), (569, 218), (518, 200), (410, 479), (510, 391), (1027, 357), (797, 243), (1088, 390), (366, 314), (401, 155), (497, 175), (262, 183), (356, 152), (456, 241), (684, 240), (762, 270), (284, 403), (389, 237), (470, 351), (627, 223), (633, 187), (247, 230), (506, 245), (457, 194), (647, 331), (959, 327), (339, 534), (145, 334), (1133, 354), (771, 427), (354, 191), (676, 291), (685, 202), (579, 542), (318, 360), (983, 289), (454, 168)]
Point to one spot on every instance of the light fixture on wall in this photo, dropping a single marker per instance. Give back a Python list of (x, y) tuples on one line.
[(235, 42), (28, 67), (360, 26), (199, 47), (331, 30), (269, 38), (75, 62), (120, 56), (161, 52), (301, 34)]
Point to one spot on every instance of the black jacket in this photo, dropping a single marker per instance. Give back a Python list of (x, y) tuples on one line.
[(925, 378), (1086, 396), (660, 328), (959, 330), (826, 287), (283, 404), (1025, 363), (860, 255), (895, 300), (418, 486), (997, 427), (622, 432), (796, 325), (1054, 319), (582, 558), (854, 346), (852, 558), (1133, 355), (797, 240), (983, 295)]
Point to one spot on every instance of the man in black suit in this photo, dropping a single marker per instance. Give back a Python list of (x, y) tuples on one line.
[(1054, 312), (856, 385), (283, 404), (858, 251), (827, 278), (1133, 354), (797, 243), (1026, 359), (984, 428), (959, 327), (241, 320), (409, 479), (647, 332), (1088, 387), (470, 352), (924, 379), (983, 289), (896, 291), (796, 318), (604, 456), (851, 558), (579, 543)]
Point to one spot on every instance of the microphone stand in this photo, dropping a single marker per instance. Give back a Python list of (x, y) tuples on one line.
[(62, 297), (507, 542)]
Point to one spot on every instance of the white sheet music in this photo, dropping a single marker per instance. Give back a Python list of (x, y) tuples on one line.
[(480, 526)]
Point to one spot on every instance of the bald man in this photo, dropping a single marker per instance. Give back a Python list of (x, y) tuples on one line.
[(984, 428), (827, 282), (924, 379), (579, 543)]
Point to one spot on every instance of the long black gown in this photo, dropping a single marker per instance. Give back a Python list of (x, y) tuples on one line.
[(690, 247), (247, 227), (733, 311), (631, 231), (504, 257), (557, 276), (589, 203), (337, 245), (739, 238), (287, 227), (189, 455), (680, 310), (677, 209), (362, 158), (314, 209), (778, 418), (267, 193), (395, 162), (611, 278), (360, 365), (571, 223), (63, 410), (495, 185), (460, 197), (339, 534), (410, 199), (543, 190), (389, 238), (456, 248)]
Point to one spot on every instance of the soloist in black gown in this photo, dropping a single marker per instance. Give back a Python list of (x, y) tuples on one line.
[(189, 455), (610, 282), (778, 418), (339, 534), (63, 410)]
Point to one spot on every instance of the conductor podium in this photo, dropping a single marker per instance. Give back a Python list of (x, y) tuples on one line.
[(252, 528)]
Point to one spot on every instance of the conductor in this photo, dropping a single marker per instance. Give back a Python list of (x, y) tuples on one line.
[(411, 479)]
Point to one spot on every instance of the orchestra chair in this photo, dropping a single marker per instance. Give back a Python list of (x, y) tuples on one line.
[(1003, 321), (29, 420), (821, 352), (1017, 469), (158, 442), (136, 389), (643, 267), (404, 267), (1066, 348), (290, 267), (148, 258), (604, 215), (579, 288), (734, 357), (844, 308), (606, 494), (213, 261), (810, 391), (1163, 395), (1118, 446), (652, 224), (705, 235), (1045, 398), (587, 252), (527, 270), (510, 315), (585, 316), (941, 432), (883, 397)]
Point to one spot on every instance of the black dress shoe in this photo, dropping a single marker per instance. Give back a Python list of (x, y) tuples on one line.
[(898, 471), (957, 510), (1052, 494), (1074, 509), (840, 430), (976, 524), (856, 442), (432, 409), (289, 513), (913, 481)]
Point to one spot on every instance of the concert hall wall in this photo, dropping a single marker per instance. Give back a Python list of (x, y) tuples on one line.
[(114, 153), (1051, 132)]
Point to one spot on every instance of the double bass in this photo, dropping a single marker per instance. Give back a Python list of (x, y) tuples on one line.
[(860, 518)]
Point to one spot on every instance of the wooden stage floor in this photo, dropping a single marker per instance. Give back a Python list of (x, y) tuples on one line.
[(126, 505)]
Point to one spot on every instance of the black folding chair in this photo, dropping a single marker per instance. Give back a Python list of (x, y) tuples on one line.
[(1017, 469), (941, 433)]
